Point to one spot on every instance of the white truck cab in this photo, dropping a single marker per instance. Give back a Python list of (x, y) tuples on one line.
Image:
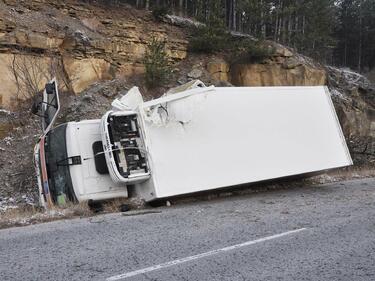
[(69, 159)]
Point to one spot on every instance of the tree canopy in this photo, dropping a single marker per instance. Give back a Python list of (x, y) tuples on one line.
[(338, 32)]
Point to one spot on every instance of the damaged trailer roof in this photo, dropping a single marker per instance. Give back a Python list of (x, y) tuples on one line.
[(208, 138)]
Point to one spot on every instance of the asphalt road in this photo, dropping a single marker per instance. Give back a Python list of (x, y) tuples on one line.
[(309, 233)]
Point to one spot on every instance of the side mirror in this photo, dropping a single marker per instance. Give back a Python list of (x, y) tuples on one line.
[(35, 108), (50, 105), (50, 88)]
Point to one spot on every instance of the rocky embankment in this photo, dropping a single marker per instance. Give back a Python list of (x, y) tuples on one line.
[(97, 52), (81, 43), (354, 99)]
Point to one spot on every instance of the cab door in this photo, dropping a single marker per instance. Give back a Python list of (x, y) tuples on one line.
[(50, 106)]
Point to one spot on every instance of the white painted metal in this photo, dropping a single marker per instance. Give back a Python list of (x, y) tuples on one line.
[(217, 137), (42, 202), (87, 182), (109, 155)]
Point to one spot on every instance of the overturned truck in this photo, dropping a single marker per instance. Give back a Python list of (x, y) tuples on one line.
[(192, 139)]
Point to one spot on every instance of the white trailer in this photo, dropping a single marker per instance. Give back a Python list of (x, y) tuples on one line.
[(209, 138)]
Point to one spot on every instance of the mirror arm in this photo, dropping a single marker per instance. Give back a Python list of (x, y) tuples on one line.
[(53, 105)]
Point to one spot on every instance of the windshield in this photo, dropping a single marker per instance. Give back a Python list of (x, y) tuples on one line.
[(59, 179)]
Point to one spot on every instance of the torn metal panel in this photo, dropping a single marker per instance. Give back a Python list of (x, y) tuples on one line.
[(130, 101)]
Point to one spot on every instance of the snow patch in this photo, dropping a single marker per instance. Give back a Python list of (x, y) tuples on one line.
[(181, 21), (6, 112), (336, 93), (7, 203), (351, 77)]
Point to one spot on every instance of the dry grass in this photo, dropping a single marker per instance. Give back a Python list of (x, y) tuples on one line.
[(26, 214), (19, 216), (113, 206), (76, 210)]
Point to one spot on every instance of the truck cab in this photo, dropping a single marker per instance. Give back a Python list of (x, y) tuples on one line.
[(69, 158)]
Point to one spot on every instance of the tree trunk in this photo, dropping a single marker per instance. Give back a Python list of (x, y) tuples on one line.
[(360, 38), (234, 15), (262, 20), (230, 15), (289, 28), (303, 24), (181, 8), (276, 26)]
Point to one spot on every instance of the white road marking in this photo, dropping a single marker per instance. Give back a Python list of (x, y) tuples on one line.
[(199, 256)]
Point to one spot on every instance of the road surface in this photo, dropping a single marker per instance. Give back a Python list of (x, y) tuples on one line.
[(309, 233)]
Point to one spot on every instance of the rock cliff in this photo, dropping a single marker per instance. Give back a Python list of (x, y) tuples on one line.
[(82, 43)]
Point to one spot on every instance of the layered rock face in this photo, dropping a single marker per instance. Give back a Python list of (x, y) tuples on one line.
[(283, 68), (83, 43), (276, 74)]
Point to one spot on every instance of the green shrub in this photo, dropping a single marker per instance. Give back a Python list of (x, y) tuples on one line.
[(214, 37), (156, 64), (210, 38), (250, 51), (160, 12)]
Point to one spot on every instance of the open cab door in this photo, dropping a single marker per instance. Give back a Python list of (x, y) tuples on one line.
[(48, 111), (50, 105)]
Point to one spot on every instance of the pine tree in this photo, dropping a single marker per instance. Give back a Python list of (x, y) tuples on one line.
[(317, 28)]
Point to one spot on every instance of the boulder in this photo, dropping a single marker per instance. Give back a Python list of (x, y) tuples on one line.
[(281, 50), (291, 63), (84, 72), (195, 73), (182, 80), (219, 70)]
